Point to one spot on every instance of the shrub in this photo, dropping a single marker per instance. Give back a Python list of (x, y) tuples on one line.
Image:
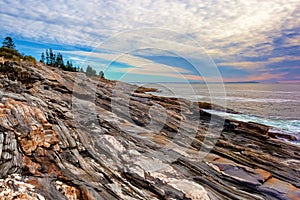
[(29, 59), (9, 53)]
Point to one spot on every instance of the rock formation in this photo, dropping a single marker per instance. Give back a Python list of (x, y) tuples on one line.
[(65, 136)]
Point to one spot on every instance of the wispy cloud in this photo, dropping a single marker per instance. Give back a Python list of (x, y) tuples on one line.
[(253, 65), (260, 77), (228, 31), (136, 65), (215, 24), (292, 41)]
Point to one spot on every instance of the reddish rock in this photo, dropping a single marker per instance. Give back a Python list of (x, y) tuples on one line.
[(62, 134)]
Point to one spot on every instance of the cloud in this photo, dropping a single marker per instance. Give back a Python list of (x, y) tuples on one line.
[(137, 65), (134, 61), (292, 41), (254, 65), (214, 24), (260, 77), (228, 31), (290, 81)]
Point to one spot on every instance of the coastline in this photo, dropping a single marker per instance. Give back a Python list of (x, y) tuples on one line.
[(259, 103), (64, 130)]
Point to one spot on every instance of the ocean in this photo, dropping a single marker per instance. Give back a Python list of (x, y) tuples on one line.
[(276, 105)]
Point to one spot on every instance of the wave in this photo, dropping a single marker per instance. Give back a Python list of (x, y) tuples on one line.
[(227, 98), (254, 91), (243, 99), (289, 127), (283, 125)]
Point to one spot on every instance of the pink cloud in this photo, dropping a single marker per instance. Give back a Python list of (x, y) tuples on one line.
[(262, 77), (259, 64), (291, 81)]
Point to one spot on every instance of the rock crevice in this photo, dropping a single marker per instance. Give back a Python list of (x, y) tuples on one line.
[(65, 136)]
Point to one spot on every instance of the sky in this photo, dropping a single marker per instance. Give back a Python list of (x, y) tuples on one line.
[(159, 40)]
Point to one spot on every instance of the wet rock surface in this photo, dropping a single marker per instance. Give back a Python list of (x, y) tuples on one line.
[(65, 136)]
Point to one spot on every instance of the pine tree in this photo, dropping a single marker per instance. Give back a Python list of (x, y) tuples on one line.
[(89, 71), (47, 57), (69, 66), (59, 62), (42, 58), (8, 43), (51, 57), (101, 74)]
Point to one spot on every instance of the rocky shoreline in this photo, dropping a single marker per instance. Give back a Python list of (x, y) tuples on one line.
[(65, 136)]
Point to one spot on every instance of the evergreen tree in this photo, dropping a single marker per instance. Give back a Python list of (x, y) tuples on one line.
[(81, 70), (90, 71), (56, 60), (42, 58), (69, 66), (101, 74), (8, 43), (51, 57), (59, 62), (47, 57)]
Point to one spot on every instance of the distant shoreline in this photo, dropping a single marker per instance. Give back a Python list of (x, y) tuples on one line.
[(211, 83), (202, 82)]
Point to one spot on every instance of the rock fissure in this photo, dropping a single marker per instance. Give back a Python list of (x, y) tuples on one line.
[(65, 136)]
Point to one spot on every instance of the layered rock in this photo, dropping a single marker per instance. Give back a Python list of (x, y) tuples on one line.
[(65, 136)]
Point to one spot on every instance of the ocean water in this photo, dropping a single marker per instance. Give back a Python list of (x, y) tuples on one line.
[(276, 105)]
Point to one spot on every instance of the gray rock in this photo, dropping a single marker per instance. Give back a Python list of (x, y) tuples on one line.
[(65, 136)]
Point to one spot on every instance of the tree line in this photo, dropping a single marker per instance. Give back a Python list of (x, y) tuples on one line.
[(8, 51), (56, 60)]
